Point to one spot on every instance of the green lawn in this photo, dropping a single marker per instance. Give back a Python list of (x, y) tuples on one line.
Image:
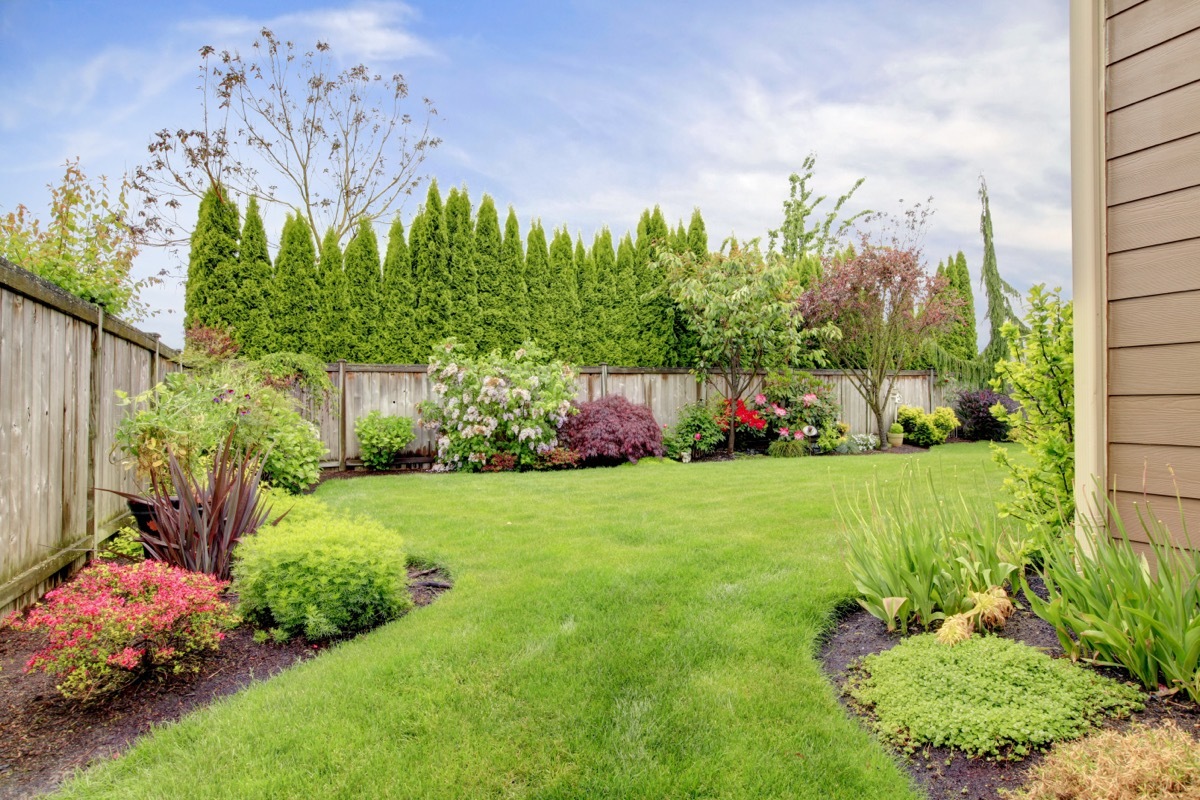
[(640, 632)]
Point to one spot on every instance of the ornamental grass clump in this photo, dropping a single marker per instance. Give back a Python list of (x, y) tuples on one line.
[(1139, 764), (114, 623), (1111, 607), (321, 576), (492, 405), (987, 696), (916, 558)]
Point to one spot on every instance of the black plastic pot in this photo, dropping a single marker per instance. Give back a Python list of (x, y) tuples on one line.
[(143, 513)]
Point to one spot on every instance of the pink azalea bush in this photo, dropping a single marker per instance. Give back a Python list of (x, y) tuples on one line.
[(113, 623)]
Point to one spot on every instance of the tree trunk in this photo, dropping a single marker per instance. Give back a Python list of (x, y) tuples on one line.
[(732, 422), (883, 442)]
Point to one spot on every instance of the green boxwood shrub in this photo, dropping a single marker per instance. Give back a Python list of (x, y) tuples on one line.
[(383, 438), (985, 696), (926, 430), (321, 575)]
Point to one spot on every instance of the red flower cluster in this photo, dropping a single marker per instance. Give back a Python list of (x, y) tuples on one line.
[(746, 418), (113, 622)]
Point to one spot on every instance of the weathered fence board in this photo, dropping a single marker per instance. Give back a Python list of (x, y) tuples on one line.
[(52, 453), (397, 389)]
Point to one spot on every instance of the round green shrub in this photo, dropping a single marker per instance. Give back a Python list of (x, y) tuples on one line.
[(321, 575), (383, 438), (985, 696)]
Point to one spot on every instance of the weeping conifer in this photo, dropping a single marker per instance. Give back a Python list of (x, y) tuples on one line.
[(335, 331), (254, 331), (364, 286), (464, 278), (429, 249), (210, 292), (399, 300), (294, 290)]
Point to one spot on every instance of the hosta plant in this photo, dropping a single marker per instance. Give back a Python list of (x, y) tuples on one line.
[(113, 623)]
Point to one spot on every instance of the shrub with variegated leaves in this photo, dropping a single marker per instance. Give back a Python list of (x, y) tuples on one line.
[(493, 409)]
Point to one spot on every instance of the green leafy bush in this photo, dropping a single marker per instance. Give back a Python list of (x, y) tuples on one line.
[(383, 439), (1039, 374), (321, 575), (896, 428), (1109, 606), (193, 412), (926, 430), (987, 696), (495, 404), (915, 557), (698, 429)]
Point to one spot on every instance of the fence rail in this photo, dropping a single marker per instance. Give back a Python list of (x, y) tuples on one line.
[(61, 363), (399, 388)]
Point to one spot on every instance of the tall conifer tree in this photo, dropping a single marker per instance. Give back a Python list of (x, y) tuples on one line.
[(399, 299), (563, 299), (429, 249), (254, 331), (335, 333), (604, 298), (657, 318), (464, 278), (294, 292), (212, 262), (697, 235), (494, 319), (537, 282), (364, 286), (627, 308), (590, 335), (514, 293)]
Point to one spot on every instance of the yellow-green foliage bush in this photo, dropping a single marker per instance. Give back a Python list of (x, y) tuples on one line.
[(321, 575), (926, 430)]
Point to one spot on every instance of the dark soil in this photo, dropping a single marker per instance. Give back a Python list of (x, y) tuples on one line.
[(44, 738), (944, 773)]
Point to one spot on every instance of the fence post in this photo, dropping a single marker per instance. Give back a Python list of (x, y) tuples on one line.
[(155, 371), (603, 379), (929, 386), (342, 414), (95, 387)]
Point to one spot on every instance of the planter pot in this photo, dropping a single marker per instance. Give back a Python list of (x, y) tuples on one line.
[(895, 439), (686, 456), (143, 513)]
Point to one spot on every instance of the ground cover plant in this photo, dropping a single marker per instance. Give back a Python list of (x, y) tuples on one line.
[(986, 696), (641, 632), (1138, 764)]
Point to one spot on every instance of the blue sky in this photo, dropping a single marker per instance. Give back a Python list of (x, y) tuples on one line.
[(585, 113)]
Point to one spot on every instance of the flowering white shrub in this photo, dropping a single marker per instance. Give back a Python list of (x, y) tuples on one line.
[(492, 411)]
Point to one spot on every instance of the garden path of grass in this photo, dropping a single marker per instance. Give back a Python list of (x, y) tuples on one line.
[(639, 632)]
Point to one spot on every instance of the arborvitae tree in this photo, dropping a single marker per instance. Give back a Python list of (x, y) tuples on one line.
[(495, 326), (604, 299), (335, 333), (627, 306), (210, 293), (364, 286), (589, 330), (294, 292), (697, 236), (657, 317), (959, 341), (399, 300), (429, 249), (514, 296), (563, 297), (679, 240), (464, 278), (537, 282), (254, 331)]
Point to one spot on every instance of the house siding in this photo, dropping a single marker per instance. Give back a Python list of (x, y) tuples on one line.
[(1151, 209)]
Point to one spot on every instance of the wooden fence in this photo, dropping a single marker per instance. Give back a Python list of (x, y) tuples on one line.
[(61, 363), (397, 389)]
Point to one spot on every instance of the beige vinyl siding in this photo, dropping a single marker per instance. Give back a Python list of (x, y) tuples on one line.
[(1152, 156)]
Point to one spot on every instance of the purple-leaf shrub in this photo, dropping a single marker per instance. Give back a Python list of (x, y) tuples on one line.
[(611, 431), (974, 409)]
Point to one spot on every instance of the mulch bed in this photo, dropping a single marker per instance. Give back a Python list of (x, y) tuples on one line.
[(45, 738), (946, 773)]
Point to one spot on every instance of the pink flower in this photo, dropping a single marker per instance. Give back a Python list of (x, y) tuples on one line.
[(809, 399), (784, 432), (697, 437), (760, 399), (779, 411), (799, 435)]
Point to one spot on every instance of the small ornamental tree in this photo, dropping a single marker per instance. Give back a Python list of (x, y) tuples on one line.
[(611, 431), (886, 307), (1039, 373), (737, 301)]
